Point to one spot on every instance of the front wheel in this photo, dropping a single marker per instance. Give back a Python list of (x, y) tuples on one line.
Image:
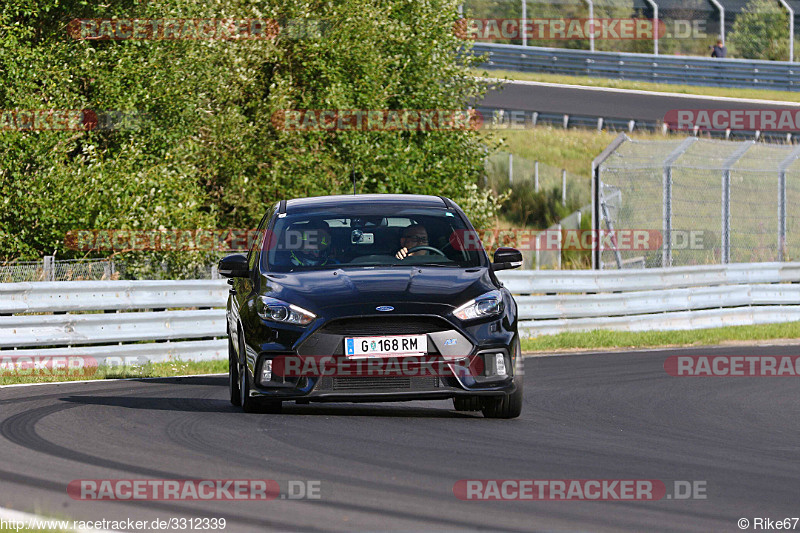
[(506, 406)]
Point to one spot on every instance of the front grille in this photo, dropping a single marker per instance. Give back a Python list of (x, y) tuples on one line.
[(411, 383), (386, 326)]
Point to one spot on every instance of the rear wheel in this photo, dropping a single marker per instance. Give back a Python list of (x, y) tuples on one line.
[(467, 403), (233, 375), (506, 406)]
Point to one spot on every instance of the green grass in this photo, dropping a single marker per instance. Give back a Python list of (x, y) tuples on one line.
[(648, 339), (148, 370), (760, 94), (570, 149)]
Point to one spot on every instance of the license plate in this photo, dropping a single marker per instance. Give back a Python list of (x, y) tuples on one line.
[(396, 344)]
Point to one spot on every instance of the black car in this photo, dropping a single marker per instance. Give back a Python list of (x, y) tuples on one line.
[(374, 297)]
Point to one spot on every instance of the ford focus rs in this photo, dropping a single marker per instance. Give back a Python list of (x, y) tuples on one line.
[(369, 298)]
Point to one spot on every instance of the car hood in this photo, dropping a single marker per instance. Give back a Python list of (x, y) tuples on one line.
[(397, 286)]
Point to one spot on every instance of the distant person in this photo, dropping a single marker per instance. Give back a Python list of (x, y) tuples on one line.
[(719, 50)]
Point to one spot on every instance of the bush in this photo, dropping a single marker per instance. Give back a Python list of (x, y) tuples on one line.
[(208, 153)]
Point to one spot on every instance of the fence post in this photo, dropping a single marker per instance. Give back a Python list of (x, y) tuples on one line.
[(597, 185), (49, 268), (214, 272), (536, 176), (666, 236), (560, 247), (510, 169), (564, 187), (726, 200)]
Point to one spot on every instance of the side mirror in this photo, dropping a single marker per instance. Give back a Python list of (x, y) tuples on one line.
[(505, 258), (234, 266)]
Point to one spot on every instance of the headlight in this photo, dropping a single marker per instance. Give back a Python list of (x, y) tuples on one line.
[(488, 304), (280, 311)]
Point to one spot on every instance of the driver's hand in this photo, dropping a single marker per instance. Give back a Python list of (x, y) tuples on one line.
[(402, 253)]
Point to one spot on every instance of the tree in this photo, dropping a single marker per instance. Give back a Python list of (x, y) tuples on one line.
[(206, 152), (761, 31)]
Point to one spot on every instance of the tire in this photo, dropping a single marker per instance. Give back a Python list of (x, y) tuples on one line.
[(250, 404), (467, 403), (233, 375), (506, 406)]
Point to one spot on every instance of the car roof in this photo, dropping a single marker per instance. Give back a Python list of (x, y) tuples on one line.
[(299, 205)]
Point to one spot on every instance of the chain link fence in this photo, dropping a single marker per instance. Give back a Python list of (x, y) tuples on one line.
[(698, 202), (50, 269), (541, 197)]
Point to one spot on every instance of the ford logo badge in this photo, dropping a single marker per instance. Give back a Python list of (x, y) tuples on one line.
[(384, 308)]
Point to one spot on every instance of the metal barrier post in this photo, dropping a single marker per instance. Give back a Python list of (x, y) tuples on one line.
[(591, 24), (597, 184), (786, 5), (726, 199), (536, 176), (564, 187), (655, 25), (721, 20), (49, 268), (510, 169), (666, 224)]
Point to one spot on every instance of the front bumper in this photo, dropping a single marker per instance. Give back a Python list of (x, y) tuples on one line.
[(454, 350)]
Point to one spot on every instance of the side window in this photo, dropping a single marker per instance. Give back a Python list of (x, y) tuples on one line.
[(252, 255)]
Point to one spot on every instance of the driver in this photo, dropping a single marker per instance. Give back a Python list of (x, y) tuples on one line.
[(412, 236), (314, 247)]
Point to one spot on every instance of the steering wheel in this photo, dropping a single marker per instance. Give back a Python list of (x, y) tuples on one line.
[(429, 248)]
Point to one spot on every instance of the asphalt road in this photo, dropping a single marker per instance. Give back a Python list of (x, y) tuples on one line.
[(597, 102), (393, 466)]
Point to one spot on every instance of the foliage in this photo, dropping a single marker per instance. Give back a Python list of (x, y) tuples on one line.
[(761, 31), (202, 149)]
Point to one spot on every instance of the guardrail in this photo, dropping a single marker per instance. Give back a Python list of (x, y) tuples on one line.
[(549, 302), (134, 320), (655, 299), (684, 70)]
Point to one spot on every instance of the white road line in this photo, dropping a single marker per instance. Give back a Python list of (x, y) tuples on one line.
[(10, 515), (647, 93)]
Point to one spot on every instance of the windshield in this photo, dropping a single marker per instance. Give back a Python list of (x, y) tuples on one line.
[(409, 237)]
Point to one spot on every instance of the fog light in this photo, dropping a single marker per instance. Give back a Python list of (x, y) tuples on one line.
[(500, 365), (266, 371)]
